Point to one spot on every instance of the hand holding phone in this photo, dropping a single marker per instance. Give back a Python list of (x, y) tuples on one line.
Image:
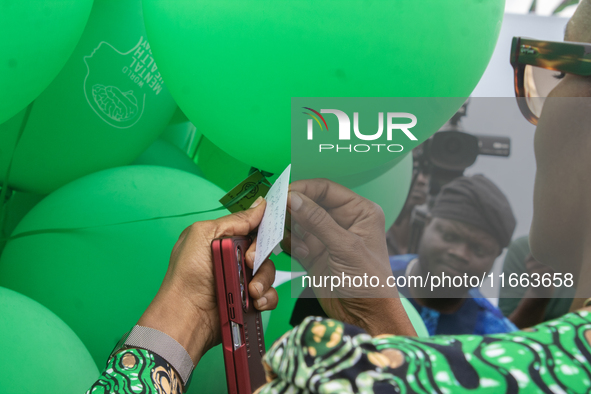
[(241, 324)]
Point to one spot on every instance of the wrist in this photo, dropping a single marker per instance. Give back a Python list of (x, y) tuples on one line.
[(180, 320), (383, 316)]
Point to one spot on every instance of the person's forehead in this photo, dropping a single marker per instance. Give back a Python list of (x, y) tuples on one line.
[(470, 232)]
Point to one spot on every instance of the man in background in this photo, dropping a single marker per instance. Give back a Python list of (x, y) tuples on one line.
[(471, 223)]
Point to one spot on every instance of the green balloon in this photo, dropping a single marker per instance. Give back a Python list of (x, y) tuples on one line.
[(280, 316), (181, 133), (178, 117), (106, 106), (415, 318), (209, 375), (284, 262), (219, 167), (233, 66), (100, 280), (40, 353), (163, 153), (17, 206), (37, 40), (389, 190)]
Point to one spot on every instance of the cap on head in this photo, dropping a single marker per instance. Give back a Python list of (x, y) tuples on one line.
[(477, 201)]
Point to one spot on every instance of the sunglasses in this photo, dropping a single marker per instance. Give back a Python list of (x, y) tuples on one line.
[(540, 65)]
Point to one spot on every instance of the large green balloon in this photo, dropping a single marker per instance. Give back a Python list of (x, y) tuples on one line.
[(219, 167), (181, 133), (17, 206), (106, 106), (280, 316), (40, 353), (99, 281), (163, 153), (233, 66), (38, 37)]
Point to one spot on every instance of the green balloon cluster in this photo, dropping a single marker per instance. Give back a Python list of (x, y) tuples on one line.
[(37, 40), (234, 66), (40, 353), (104, 108), (96, 100), (100, 280)]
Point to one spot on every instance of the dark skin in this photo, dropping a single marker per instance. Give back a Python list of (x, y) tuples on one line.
[(454, 248), (532, 307), (560, 235)]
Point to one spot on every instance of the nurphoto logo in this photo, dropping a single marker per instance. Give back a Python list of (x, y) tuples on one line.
[(392, 125)]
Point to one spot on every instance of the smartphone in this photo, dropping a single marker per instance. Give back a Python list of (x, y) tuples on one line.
[(242, 327)]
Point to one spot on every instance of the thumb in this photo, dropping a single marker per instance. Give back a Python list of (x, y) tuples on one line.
[(314, 219), (243, 222)]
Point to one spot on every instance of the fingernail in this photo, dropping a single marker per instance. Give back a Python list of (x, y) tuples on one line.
[(296, 201), (257, 202), (298, 230), (301, 252), (250, 255), (261, 302), (259, 288)]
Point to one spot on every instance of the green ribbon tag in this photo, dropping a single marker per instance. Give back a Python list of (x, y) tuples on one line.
[(246, 192)]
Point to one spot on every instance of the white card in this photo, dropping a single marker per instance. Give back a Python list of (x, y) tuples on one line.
[(270, 231)]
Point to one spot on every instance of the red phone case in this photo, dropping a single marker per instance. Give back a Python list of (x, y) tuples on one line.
[(242, 327)]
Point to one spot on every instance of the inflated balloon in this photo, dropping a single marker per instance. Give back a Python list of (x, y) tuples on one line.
[(219, 167), (106, 106), (234, 66), (182, 133), (163, 153), (37, 40), (100, 280), (34, 341), (280, 316), (284, 262), (17, 206), (209, 375), (415, 318)]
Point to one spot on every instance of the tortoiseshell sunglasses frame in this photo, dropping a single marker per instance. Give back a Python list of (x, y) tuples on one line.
[(567, 57)]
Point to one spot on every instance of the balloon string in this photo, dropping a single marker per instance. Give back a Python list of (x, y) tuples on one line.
[(75, 229), (4, 185)]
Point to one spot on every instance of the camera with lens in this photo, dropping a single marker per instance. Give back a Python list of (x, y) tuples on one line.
[(444, 157)]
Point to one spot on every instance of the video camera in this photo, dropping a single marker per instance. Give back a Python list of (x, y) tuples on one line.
[(444, 157)]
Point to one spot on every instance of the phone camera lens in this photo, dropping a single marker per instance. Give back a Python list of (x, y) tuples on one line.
[(243, 291)]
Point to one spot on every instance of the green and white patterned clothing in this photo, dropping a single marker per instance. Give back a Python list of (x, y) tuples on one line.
[(327, 356)]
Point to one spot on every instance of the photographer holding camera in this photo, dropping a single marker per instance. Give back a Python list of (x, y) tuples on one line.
[(398, 237)]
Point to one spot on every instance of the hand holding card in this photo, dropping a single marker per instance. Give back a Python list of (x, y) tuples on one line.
[(270, 231)]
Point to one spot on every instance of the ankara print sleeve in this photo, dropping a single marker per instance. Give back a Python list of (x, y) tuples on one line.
[(137, 371), (327, 356)]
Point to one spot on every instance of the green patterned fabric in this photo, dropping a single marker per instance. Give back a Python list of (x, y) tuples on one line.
[(137, 371), (327, 356)]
